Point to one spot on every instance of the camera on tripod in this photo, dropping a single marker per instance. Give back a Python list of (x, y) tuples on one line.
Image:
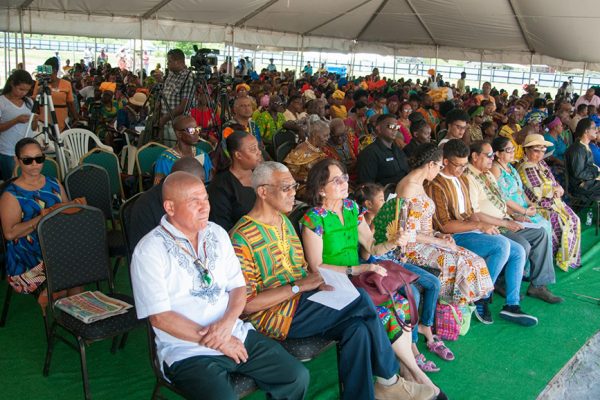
[(204, 60), (43, 73)]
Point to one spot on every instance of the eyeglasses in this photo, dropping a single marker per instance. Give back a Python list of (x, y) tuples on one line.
[(340, 179), (286, 188), (30, 160), (508, 150), (538, 149), (395, 127), (439, 164), (407, 110), (459, 166), (460, 127), (488, 155), (191, 131)]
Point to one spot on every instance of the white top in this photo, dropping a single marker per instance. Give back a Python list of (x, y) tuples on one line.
[(164, 278), (10, 137), (459, 192)]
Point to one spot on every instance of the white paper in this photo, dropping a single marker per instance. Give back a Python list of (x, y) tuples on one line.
[(532, 225), (344, 293)]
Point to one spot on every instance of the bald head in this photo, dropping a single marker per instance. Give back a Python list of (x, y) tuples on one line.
[(186, 203), (190, 165), (183, 121), (177, 184)]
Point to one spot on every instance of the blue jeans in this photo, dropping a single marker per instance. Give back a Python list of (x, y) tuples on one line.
[(499, 253), (7, 165), (431, 291)]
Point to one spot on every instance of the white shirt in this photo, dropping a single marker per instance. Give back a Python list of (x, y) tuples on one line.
[(462, 207), (164, 278)]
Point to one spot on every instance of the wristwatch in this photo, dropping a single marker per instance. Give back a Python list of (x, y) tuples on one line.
[(349, 272), (295, 288)]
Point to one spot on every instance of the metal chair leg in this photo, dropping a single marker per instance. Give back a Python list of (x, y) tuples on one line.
[(597, 216), (123, 341), (7, 298), (113, 347), (49, 349), (338, 350), (156, 391), (84, 372)]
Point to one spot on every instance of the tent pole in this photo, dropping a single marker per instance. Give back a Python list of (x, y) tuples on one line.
[(134, 46), (22, 37), (480, 69), (16, 51), (232, 51), (394, 75), (6, 57), (282, 53), (95, 60), (583, 77), (142, 48), (437, 52), (530, 68)]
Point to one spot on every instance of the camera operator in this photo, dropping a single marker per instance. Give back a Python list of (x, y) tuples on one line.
[(177, 85), (62, 96)]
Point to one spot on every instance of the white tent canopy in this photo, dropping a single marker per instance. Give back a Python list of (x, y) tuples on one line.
[(552, 32)]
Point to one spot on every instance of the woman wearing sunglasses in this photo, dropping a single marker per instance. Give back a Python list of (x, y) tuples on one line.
[(545, 193), (25, 201), (15, 112)]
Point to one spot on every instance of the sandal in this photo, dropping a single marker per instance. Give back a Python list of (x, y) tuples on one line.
[(438, 347), (424, 365)]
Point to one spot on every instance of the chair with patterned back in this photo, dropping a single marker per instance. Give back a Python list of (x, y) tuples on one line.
[(145, 158), (85, 260), (92, 182), (109, 161), (205, 145), (125, 217), (283, 150)]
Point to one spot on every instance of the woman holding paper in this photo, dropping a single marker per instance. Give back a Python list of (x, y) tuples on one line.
[(335, 228)]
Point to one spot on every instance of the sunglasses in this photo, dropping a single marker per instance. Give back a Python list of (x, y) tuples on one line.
[(395, 127), (30, 160), (191, 131), (538, 150), (488, 155), (340, 179)]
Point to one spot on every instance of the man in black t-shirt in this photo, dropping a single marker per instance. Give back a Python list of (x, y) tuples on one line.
[(383, 161)]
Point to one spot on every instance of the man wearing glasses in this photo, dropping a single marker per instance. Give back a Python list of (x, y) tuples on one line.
[(187, 133), (383, 161), (455, 214), (491, 208), (187, 280), (456, 121), (278, 285)]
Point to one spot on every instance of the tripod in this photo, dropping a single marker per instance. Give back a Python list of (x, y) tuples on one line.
[(51, 131)]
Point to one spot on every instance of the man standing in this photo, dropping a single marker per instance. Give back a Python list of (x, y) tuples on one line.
[(491, 208), (383, 161), (176, 91), (271, 67), (307, 70), (460, 84), (278, 287), (187, 280)]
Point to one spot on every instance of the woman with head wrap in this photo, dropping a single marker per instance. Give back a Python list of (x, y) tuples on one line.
[(338, 109), (512, 131)]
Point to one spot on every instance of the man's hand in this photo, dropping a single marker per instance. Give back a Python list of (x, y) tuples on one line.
[(312, 281), (513, 226), (216, 335), (234, 349), (521, 218), (489, 229)]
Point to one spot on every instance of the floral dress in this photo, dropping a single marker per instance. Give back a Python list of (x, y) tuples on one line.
[(539, 186), (464, 276), (340, 247)]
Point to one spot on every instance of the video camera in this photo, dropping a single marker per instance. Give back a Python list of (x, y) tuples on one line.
[(43, 73), (204, 60)]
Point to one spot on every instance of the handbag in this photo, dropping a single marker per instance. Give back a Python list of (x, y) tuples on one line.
[(381, 288), (467, 313), (448, 320)]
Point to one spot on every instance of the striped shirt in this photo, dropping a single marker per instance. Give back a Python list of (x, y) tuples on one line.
[(444, 194), (269, 260)]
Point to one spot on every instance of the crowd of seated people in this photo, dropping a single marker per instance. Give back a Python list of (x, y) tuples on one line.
[(222, 272)]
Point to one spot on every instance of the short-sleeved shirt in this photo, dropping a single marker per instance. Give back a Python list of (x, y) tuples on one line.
[(177, 86), (10, 137), (381, 164), (165, 278), (167, 158), (269, 260), (340, 241), (268, 125), (61, 95)]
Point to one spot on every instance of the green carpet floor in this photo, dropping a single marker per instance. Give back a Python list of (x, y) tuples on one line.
[(499, 361)]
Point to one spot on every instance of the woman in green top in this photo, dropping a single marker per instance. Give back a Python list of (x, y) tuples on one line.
[(335, 230)]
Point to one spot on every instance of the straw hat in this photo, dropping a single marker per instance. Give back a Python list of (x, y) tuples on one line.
[(536, 139), (138, 99)]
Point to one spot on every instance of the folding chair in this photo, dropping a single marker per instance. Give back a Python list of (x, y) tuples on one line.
[(125, 217), (92, 182), (50, 169), (282, 151), (77, 142), (145, 158), (83, 261), (109, 161)]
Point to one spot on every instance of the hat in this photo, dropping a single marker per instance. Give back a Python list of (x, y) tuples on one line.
[(554, 123), (338, 95), (242, 86), (138, 99), (309, 95), (535, 139)]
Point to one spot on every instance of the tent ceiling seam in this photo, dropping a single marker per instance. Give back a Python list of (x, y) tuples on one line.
[(520, 24), (371, 19), (336, 17), (25, 4), (254, 13), (155, 9), (422, 22)]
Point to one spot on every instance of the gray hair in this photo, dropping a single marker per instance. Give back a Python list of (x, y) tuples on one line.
[(317, 126), (263, 173)]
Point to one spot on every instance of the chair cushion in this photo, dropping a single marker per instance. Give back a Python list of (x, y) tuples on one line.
[(104, 328), (306, 349)]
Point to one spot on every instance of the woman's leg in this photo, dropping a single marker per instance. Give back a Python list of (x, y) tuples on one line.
[(402, 349)]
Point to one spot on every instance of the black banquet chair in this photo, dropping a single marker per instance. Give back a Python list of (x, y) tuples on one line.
[(75, 252)]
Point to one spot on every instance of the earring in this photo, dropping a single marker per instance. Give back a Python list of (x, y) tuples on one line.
[(322, 194)]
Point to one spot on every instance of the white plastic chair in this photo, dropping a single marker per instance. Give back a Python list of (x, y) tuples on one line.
[(77, 142)]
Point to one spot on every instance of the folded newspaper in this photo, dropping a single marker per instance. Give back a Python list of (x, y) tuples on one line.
[(92, 306)]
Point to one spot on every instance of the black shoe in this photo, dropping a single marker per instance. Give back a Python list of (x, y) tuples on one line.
[(516, 315), (482, 312)]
